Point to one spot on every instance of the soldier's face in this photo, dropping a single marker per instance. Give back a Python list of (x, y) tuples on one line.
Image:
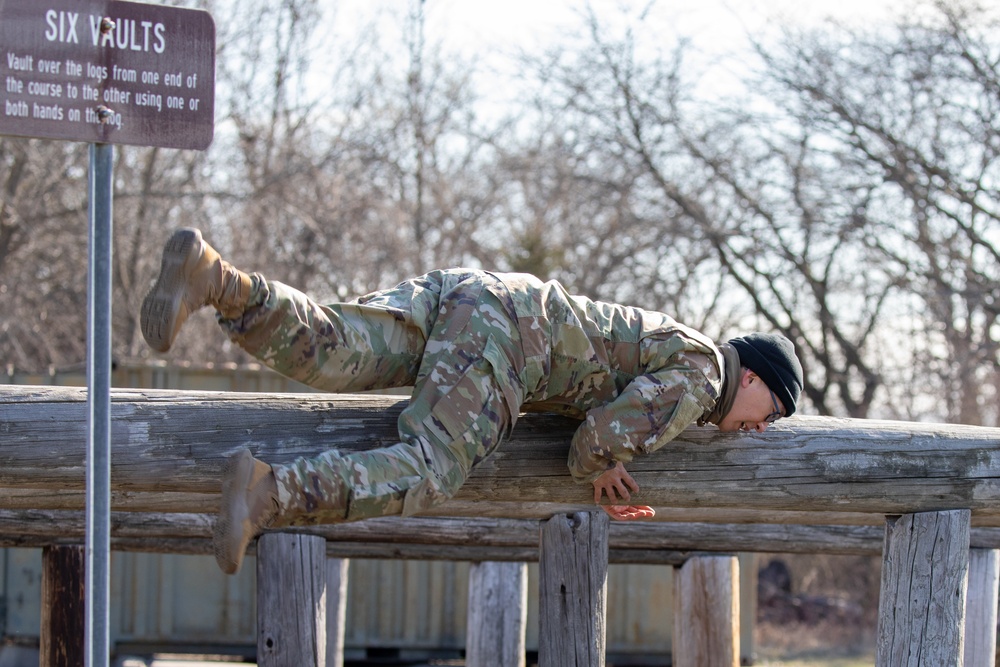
[(753, 408)]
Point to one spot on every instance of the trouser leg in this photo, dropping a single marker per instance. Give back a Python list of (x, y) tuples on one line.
[(357, 346), (465, 399)]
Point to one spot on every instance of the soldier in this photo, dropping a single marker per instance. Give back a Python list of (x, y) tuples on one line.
[(477, 348)]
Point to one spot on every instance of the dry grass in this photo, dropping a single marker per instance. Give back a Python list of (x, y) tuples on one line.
[(822, 635), (824, 640)]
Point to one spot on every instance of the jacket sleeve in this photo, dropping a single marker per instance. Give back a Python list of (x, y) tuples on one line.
[(651, 411)]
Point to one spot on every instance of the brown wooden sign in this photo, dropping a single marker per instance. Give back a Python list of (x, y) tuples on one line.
[(105, 71)]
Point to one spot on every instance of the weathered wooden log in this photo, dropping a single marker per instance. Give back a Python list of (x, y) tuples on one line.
[(384, 551), (707, 612), (981, 608), (925, 564), (173, 442), (498, 615), (178, 502), (573, 590), (38, 528), (291, 601)]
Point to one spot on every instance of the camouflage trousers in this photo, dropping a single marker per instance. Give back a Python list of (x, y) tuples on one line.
[(452, 335)]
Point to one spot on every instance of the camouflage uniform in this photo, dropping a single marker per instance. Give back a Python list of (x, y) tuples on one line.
[(477, 347)]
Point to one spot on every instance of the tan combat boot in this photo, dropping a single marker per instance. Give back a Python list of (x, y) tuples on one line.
[(192, 275), (249, 505)]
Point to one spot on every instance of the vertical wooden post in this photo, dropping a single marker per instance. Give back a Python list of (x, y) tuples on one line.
[(925, 563), (291, 600), (981, 608), (336, 610), (748, 606), (62, 621), (572, 590), (707, 612), (498, 615)]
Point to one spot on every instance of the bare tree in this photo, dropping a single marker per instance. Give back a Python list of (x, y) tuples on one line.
[(43, 253), (583, 205), (826, 204), (729, 229), (913, 112)]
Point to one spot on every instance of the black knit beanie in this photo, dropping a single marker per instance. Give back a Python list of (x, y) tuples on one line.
[(772, 358)]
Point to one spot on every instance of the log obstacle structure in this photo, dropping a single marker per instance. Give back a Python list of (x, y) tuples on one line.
[(935, 488)]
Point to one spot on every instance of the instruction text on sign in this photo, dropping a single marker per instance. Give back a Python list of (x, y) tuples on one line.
[(114, 72)]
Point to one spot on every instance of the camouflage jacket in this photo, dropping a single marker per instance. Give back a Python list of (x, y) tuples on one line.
[(636, 378)]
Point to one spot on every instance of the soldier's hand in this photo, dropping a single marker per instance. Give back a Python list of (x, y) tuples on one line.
[(629, 512), (619, 485)]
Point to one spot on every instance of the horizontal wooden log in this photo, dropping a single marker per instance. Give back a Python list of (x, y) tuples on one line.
[(168, 442), (389, 551), (179, 502), (37, 528)]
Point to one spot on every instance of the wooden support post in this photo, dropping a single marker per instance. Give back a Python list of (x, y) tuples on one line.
[(572, 590), (336, 609), (981, 608), (498, 614), (925, 565), (748, 606), (291, 600), (707, 612), (62, 621)]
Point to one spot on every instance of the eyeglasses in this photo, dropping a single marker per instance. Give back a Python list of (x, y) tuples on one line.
[(776, 415)]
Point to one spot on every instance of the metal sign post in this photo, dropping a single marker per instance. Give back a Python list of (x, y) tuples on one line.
[(105, 72), (98, 551)]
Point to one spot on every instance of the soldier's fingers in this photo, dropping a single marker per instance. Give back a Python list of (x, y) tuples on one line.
[(625, 513), (633, 512), (617, 512), (598, 492), (632, 484)]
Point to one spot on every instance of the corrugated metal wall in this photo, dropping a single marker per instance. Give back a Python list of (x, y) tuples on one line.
[(412, 606)]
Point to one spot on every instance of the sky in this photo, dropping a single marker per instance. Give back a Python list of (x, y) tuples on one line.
[(492, 25), (489, 31), (489, 34)]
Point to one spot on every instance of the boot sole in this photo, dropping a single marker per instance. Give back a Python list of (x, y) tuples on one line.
[(163, 302), (233, 513)]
